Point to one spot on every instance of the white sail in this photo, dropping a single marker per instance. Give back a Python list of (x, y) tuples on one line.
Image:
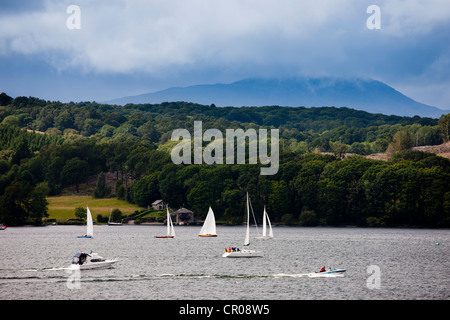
[(170, 228), (209, 226), (90, 224), (266, 221), (247, 232), (270, 225)]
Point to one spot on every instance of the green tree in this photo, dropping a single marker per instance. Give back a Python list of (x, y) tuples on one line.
[(5, 99), (101, 189), (402, 140), (444, 125), (80, 213), (308, 218), (75, 171)]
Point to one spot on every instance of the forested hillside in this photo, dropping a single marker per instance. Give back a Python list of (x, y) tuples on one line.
[(74, 141)]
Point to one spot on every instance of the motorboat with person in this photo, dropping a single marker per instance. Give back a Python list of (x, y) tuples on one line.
[(91, 260), (330, 272)]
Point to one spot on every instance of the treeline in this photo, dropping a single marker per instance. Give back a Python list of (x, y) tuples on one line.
[(301, 129), (87, 139)]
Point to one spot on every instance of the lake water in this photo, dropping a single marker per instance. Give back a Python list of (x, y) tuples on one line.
[(410, 263)]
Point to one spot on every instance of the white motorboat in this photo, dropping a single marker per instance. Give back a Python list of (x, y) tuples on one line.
[(91, 260), (329, 273)]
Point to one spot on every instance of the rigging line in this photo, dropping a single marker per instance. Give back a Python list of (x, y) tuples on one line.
[(256, 224)]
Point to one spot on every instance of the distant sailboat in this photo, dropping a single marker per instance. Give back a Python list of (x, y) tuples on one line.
[(266, 221), (209, 225), (245, 253), (113, 223), (90, 225), (170, 228)]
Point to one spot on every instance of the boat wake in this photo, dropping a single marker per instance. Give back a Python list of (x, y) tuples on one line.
[(44, 273)]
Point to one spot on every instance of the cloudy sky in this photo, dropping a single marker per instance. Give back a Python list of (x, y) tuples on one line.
[(129, 47)]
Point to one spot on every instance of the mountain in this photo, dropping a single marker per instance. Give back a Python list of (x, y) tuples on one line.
[(362, 94)]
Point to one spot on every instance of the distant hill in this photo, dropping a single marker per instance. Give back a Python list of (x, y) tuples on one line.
[(362, 94)]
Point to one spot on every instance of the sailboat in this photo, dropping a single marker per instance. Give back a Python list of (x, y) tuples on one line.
[(90, 225), (170, 229), (209, 225), (244, 253), (113, 223), (266, 221)]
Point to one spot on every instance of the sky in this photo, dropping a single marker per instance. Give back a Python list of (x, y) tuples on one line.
[(108, 49)]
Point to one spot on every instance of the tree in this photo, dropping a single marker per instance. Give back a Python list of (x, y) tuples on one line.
[(146, 190), (101, 189), (5, 99), (37, 206), (120, 190), (80, 213), (402, 140), (22, 151), (308, 218), (12, 204), (444, 125), (74, 172)]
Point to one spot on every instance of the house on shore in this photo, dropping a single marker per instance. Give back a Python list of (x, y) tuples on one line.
[(159, 205), (184, 216)]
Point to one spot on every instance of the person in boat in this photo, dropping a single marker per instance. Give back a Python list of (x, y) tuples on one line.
[(323, 269)]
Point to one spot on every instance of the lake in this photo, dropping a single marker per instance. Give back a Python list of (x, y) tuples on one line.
[(404, 264)]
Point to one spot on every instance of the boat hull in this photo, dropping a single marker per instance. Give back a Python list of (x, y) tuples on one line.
[(208, 235), (243, 254), (164, 237), (331, 273), (263, 237), (87, 237), (96, 265)]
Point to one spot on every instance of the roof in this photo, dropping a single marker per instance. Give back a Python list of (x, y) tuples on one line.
[(183, 210), (157, 202)]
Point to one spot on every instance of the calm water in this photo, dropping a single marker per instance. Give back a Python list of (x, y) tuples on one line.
[(189, 267)]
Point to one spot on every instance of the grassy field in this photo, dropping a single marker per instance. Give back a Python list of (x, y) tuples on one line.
[(63, 207)]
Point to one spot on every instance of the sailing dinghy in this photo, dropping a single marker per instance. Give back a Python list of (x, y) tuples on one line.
[(90, 225), (209, 225), (110, 223), (266, 221), (170, 229), (243, 253)]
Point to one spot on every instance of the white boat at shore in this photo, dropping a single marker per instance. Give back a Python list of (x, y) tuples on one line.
[(232, 252), (90, 260), (111, 223)]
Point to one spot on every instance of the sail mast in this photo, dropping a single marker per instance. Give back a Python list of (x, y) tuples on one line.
[(247, 232)]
